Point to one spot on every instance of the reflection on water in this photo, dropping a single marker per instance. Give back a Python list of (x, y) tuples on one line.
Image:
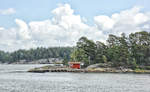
[(14, 78)]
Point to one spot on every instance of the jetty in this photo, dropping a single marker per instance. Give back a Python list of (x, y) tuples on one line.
[(39, 70), (101, 69), (49, 68)]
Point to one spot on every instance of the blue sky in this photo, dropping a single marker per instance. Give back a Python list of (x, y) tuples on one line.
[(36, 10), (26, 24)]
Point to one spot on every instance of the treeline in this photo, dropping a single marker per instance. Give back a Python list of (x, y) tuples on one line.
[(132, 50), (128, 51), (35, 54)]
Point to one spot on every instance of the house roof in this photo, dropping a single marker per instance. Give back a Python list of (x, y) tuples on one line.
[(74, 62)]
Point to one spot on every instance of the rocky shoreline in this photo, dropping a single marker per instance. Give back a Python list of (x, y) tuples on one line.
[(40, 61), (49, 68)]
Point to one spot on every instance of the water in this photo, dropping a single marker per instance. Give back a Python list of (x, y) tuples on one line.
[(14, 78)]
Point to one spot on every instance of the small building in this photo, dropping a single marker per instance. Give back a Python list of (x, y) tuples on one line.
[(75, 65)]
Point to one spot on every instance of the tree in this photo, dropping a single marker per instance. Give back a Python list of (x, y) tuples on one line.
[(35, 54), (118, 51), (100, 52), (140, 47)]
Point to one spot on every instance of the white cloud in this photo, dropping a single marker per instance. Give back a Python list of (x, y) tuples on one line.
[(104, 22), (23, 30), (127, 21), (140, 18), (64, 17), (65, 28), (1, 28), (8, 11)]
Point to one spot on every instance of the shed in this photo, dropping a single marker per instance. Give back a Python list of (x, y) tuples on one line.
[(75, 65)]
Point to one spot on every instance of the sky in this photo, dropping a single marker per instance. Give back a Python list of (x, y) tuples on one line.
[(26, 24)]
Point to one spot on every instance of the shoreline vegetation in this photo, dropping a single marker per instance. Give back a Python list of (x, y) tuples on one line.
[(50, 68), (124, 53), (120, 54), (38, 55)]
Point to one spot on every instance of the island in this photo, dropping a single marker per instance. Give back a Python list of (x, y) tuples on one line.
[(124, 53)]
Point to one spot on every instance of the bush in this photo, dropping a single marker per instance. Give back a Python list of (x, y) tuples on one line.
[(147, 67)]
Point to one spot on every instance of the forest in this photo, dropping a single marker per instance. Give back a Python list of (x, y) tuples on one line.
[(131, 50), (36, 54)]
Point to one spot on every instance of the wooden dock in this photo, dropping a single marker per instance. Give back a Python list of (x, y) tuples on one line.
[(39, 70)]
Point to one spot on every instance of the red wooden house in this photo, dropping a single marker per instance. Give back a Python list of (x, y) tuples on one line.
[(75, 65)]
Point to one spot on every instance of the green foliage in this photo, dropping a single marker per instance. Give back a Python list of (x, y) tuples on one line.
[(86, 51), (147, 67), (128, 51), (133, 64), (35, 54), (104, 59)]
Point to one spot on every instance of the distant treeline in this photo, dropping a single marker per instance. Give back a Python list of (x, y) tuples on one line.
[(35, 54), (128, 51)]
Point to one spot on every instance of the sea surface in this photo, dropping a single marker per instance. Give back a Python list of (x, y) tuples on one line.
[(14, 78)]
